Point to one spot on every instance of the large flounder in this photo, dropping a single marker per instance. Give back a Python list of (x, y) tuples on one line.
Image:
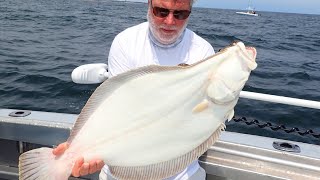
[(151, 122)]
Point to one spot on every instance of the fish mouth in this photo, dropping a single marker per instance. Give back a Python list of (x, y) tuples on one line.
[(252, 53)]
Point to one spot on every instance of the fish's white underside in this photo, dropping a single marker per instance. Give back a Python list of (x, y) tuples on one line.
[(142, 123), (144, 116), (149, 119)]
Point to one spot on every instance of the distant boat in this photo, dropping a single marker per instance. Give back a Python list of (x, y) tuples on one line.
[(250, 11)]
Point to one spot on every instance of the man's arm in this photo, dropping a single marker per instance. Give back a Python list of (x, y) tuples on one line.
[(98, 72), (118, 60), (209, 52)]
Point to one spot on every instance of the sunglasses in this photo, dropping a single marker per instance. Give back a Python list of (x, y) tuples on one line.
[(163, 12)]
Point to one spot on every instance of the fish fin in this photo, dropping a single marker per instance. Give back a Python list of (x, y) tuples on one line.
[(201, 106), (168, 168), (42, 164), (108, 87), (231, 115), (219, 92)]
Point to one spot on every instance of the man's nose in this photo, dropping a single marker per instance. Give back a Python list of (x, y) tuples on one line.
[(170, 20)]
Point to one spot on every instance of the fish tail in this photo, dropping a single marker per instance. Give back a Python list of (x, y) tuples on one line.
[(42, 164)]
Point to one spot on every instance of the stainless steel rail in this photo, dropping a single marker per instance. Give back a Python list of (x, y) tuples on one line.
[(280, 99)]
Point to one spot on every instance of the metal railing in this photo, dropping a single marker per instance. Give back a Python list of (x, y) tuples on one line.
[(280, 99)]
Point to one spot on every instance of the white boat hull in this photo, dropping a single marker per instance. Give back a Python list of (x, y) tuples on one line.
[(247, 13)]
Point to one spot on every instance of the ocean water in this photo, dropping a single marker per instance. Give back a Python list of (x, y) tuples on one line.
[(41, 42)]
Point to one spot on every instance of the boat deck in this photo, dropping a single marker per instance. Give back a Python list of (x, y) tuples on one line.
[(234, 156)]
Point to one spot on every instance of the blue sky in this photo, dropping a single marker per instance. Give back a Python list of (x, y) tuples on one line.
[(291, 6)]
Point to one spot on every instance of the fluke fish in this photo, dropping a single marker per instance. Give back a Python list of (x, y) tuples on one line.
[(151, 122)]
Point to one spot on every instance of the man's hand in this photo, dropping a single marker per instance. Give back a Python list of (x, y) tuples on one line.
[(80, 167)]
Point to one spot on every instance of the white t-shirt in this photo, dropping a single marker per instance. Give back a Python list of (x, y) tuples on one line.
[(135, 47)]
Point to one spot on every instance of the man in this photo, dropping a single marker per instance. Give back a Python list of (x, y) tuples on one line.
[(163, 40)]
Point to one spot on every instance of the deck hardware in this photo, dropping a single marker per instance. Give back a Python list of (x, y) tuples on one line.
[(20, 146), (26, 146), (20, 113), (285, 146)]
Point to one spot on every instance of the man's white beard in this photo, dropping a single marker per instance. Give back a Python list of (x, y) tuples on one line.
[(164, 39)]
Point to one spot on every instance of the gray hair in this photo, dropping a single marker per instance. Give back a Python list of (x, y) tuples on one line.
[(191, 2)]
